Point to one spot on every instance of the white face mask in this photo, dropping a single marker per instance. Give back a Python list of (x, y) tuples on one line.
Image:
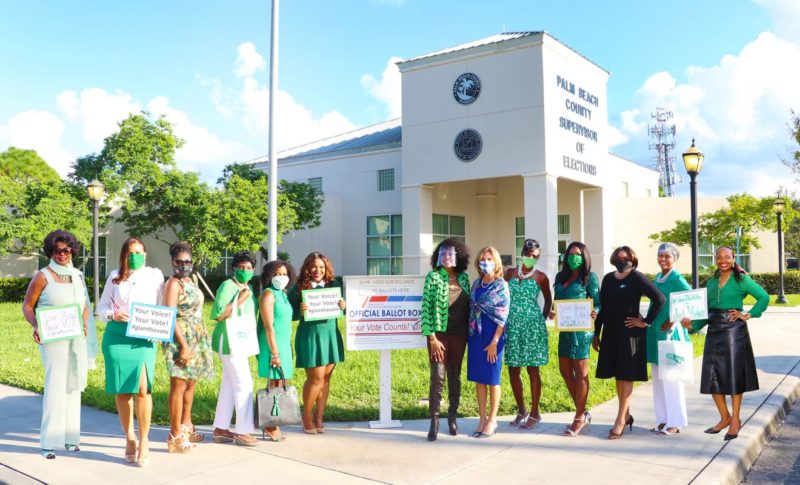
[(280, 282)]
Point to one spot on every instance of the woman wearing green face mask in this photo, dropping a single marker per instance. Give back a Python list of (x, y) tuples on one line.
[(576, 281), (526, 331), (236, 388), (130, 361)]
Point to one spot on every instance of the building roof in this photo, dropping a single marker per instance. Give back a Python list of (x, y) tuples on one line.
[(505, 37), (380, 136)]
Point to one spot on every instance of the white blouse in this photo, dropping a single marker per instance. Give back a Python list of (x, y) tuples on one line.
[(145, 285)]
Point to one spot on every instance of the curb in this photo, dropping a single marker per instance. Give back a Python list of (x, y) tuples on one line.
[(731, 464)]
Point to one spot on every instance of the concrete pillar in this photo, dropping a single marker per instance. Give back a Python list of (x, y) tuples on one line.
[(486, 212), (597, 226), (417, 228), (540, 193)]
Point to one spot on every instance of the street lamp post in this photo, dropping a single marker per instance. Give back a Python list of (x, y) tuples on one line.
[(96, 191), (778, 206), (693, 161)]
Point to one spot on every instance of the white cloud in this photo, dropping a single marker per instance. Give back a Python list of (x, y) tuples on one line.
[(785, 16), (203, 151), (388, 89), (41, 131), (248, 61), (738, 111), (96, 112)]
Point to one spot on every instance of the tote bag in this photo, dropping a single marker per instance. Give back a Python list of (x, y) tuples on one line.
[(241, 331), (277, 406), (676, 358)]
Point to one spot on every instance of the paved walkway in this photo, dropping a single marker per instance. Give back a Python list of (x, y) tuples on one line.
[(353, 453)]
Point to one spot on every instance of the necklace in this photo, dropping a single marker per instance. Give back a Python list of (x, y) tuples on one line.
[(484, 285), (522, 275), (663, 277)]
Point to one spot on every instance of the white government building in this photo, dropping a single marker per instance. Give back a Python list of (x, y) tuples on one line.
[(501, 139)]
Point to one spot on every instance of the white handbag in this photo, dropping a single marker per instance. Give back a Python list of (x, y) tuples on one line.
[(676, 358), (241, 331)]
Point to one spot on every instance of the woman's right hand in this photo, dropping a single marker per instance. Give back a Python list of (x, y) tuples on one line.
[(666, 326), (303, 306), (687, 323), (121, 316), (552, 315), (275, 361), (36, 337), (596, 344), (437, 350)]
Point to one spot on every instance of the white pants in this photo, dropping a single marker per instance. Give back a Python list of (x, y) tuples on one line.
[(61, 410), (235, 393), (669, 400)]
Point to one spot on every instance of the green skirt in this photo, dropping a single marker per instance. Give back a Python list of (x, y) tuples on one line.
[(318, 343), (124, 357)]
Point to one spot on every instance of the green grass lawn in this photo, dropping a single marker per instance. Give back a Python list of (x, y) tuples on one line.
[(354, 388)]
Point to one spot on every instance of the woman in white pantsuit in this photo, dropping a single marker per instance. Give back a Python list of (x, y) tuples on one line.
[(669, 398), (65, 363)]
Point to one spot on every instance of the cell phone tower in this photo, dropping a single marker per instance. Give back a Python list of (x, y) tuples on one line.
[(662, 142)]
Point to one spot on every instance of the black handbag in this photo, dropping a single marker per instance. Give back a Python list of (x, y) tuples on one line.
[(277, 406)]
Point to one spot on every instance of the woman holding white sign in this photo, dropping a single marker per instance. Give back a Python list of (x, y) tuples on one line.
[(235, 299), (318, 343), (63, 359), (490, 302), (526, 331), (188, 356), (444, 321), (729, 367), (669, 397), (619, 331), (130, 361), (576, 281)]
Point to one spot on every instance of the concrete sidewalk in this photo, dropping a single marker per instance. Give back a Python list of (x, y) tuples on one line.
[(353, 453)]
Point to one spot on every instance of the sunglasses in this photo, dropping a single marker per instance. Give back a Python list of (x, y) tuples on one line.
[(532, 244), (62, 251), (182, 261)]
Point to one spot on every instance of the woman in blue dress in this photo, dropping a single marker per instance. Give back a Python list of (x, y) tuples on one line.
[(490, 302)]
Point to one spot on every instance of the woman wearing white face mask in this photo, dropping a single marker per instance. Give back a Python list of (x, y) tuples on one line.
[(275, 330), (490, 301)]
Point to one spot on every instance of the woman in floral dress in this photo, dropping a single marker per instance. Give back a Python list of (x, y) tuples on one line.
[(526, 331), (188, 356)]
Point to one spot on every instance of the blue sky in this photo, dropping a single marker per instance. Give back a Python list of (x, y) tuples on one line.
[(728, 69)]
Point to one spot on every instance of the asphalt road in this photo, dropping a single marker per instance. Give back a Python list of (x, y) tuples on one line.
[(779, 462)]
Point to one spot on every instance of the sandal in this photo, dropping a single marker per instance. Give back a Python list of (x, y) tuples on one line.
[(519, 419), (222, 436), (575, 432), (49, 454), (142, 461), (244, 440), (669, 431), (659, 428), (178, 444), (530, 422), (275, 438), (192, 434), (72, 447), (130, 457), (320, 429)]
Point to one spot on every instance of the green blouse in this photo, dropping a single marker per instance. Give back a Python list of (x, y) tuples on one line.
[(732, 295), (226, 292), (436, 300), (674, 282)]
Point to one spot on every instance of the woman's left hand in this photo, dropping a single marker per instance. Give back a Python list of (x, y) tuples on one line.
[(491, 352), (737, 315), (183, 357), (635, 322), (342, 304)]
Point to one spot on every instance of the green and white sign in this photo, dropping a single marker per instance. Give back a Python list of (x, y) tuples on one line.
[(323, 303), (691, 303), (61, 322)]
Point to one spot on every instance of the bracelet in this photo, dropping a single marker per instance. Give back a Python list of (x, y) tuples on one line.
[(496, 340), (276, 356)]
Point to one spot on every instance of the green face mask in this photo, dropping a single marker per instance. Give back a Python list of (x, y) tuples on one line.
[(136, 260), (243, 275), (574, 261), (529, 262)]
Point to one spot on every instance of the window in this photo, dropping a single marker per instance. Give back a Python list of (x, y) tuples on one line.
[(385, 180), (625, 189), (223, 269), (445, 226), (316, 184), (564, 234), (705, 257), (385, 244), (519, 237)]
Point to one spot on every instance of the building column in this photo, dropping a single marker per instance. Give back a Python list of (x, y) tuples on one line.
[(486, 215), (417, 228), (540, 193), (597, 224)]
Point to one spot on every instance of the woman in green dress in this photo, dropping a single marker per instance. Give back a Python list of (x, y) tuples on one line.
[(188, 356), (275, 331), (318, 344), (576, 281), (526, 331), (729, 367)]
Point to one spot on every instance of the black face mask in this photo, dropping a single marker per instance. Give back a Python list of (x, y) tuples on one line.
[(183, 270), (623, 266)]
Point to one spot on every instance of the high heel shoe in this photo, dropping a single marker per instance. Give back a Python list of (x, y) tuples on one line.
[(615, 436), (629, 422), (178, 444), (130, 457), (573, 433)]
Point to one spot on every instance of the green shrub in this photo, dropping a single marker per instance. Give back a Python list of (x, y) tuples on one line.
[(13, 289), (768, 281)]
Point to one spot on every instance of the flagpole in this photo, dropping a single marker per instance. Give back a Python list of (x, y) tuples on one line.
[(272, 230)]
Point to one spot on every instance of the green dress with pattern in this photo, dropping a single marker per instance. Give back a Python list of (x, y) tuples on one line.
[(190, 321), (526, 331), (575, 345)]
